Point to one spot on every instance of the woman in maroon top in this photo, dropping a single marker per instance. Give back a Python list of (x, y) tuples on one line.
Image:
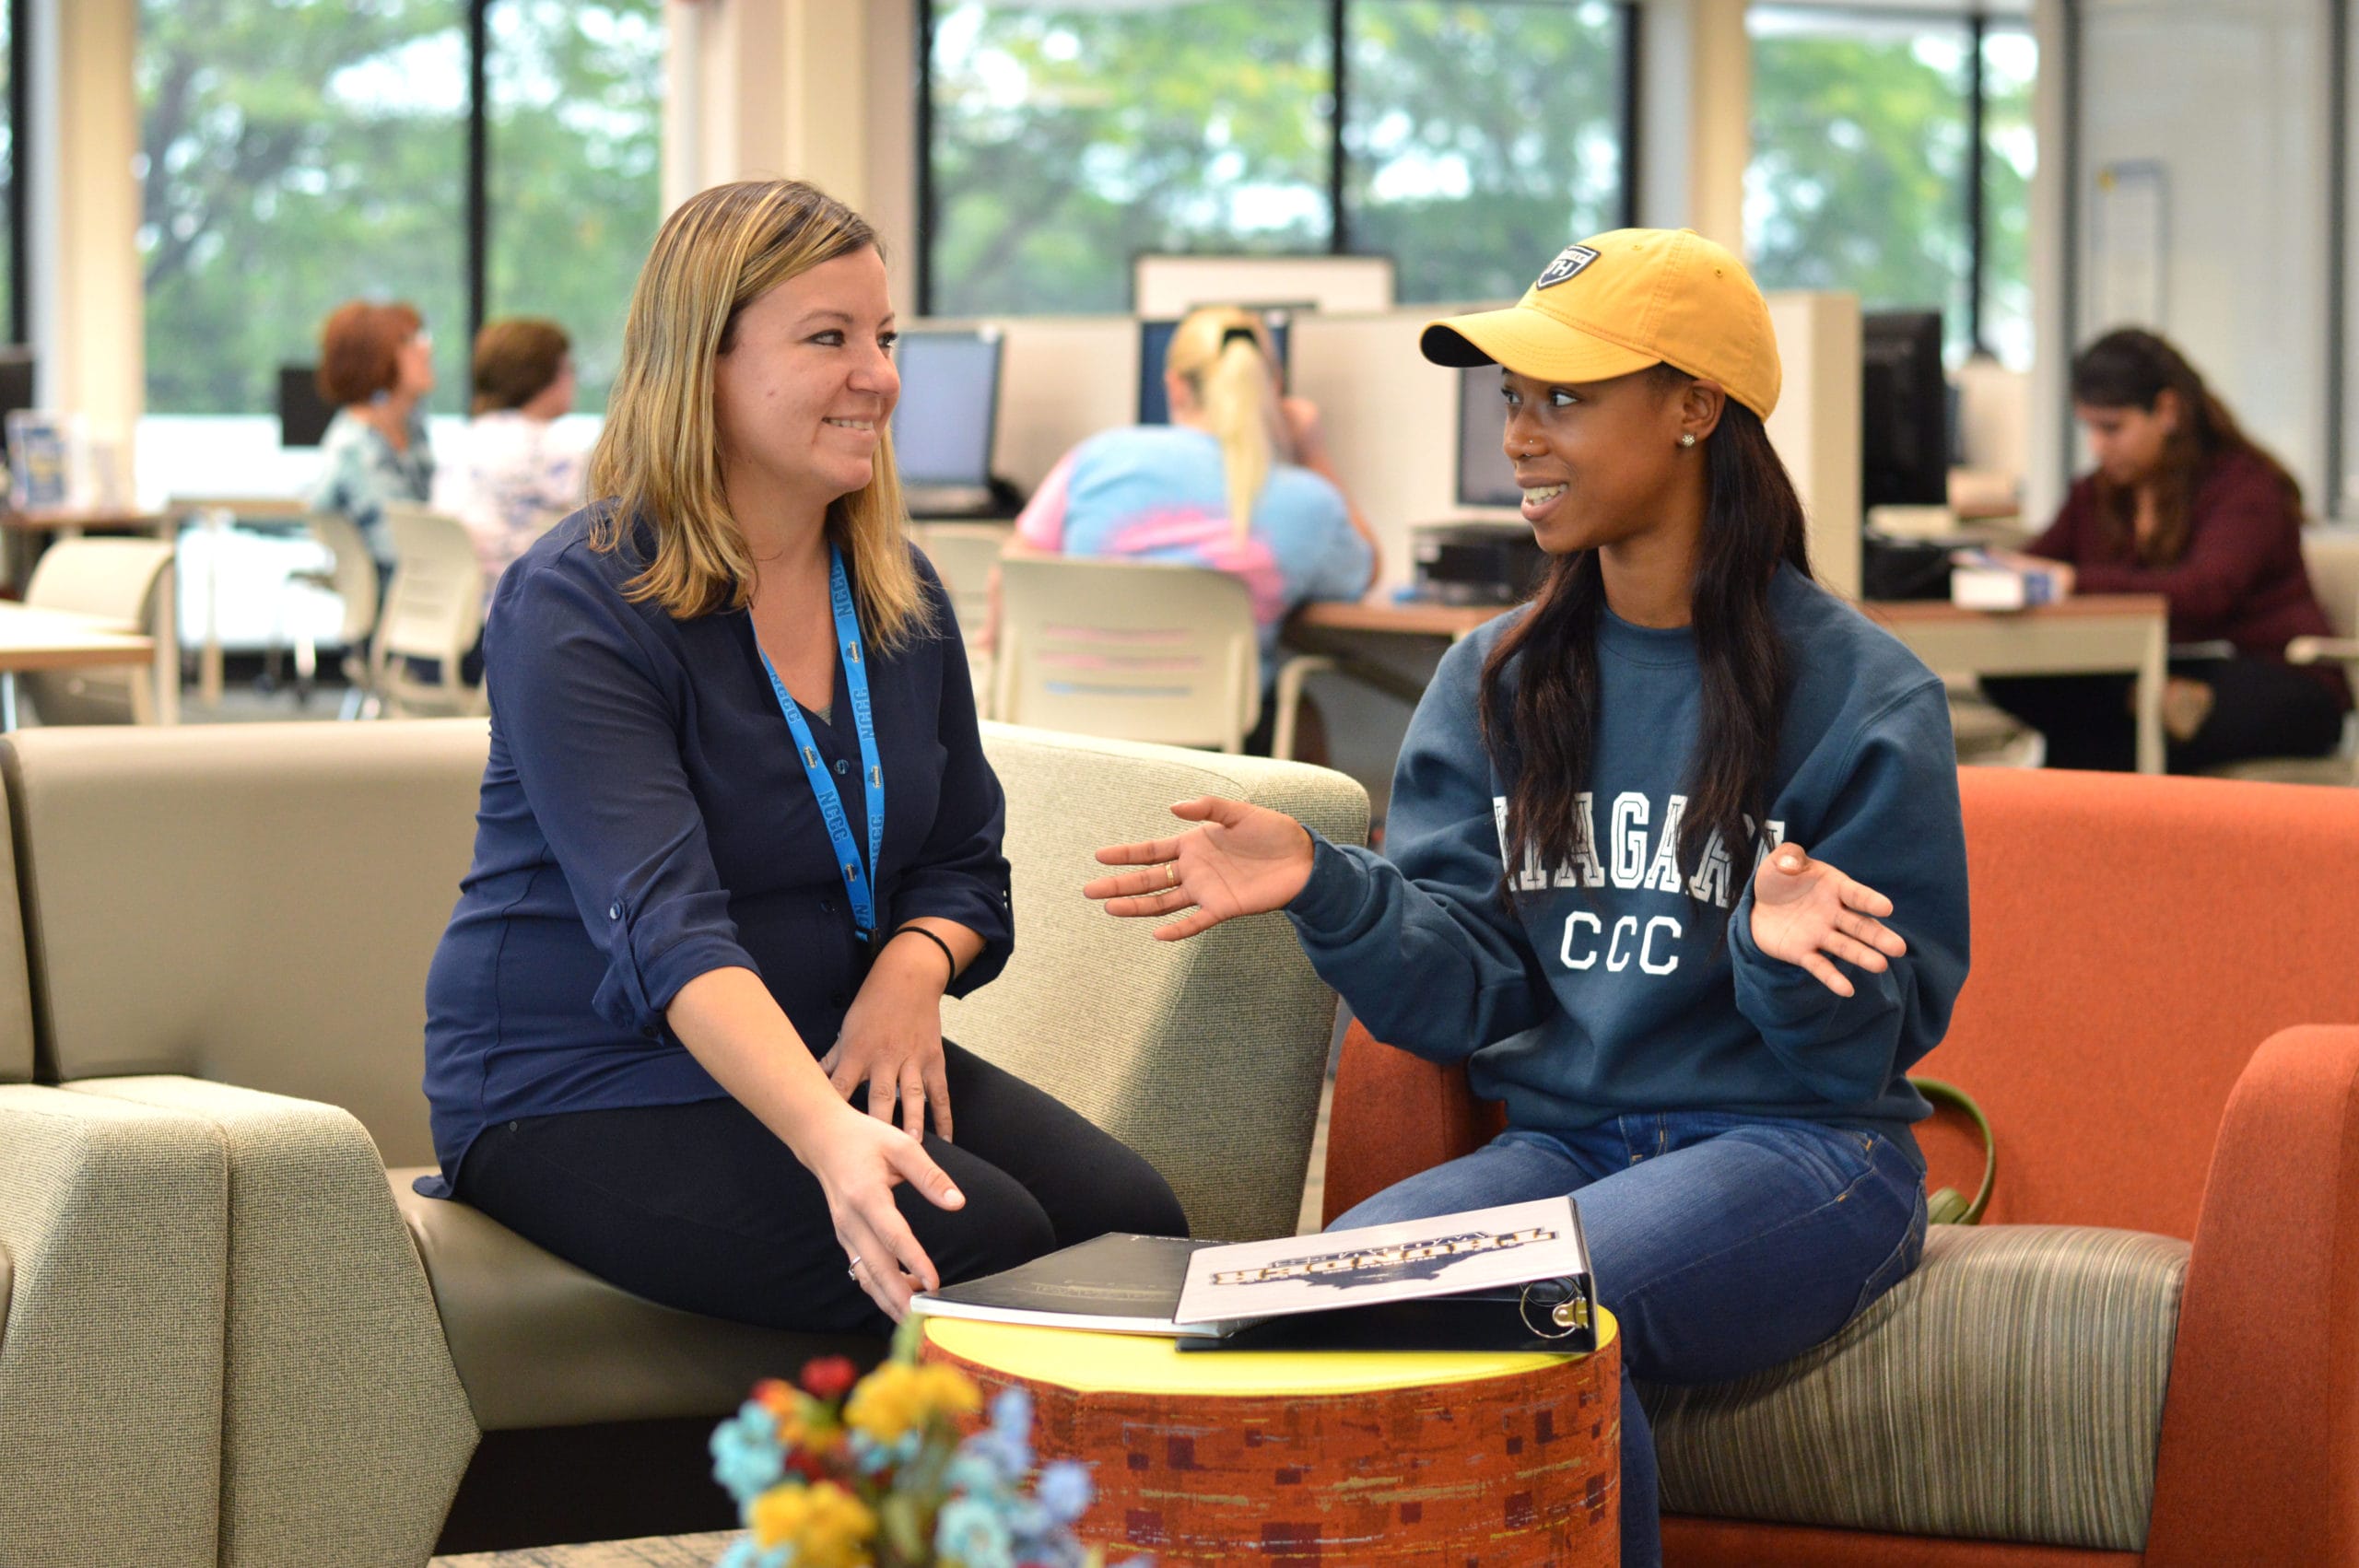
[(2183, 504)]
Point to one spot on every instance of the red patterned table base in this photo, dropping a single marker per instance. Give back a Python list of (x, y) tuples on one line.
[(1503, 1472)]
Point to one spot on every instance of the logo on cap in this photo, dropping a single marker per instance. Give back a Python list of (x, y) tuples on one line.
[(1568, 264)]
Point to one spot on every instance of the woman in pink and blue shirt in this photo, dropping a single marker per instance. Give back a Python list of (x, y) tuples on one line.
[(1238, 482)]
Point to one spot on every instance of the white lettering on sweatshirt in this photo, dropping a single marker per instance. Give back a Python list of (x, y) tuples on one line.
[(1652, 942)]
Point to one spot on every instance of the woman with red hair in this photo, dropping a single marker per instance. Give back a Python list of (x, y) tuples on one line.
[(375, 366)]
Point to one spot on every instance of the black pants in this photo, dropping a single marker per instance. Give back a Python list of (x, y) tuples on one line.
[(701, 1207), (2260, 707)]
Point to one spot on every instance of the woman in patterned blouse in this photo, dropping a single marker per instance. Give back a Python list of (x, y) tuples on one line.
[(375, 366)]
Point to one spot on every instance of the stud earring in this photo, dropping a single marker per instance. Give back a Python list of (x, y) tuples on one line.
[(1687, 439)]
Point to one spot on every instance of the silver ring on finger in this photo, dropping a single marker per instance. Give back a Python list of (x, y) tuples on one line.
[(854, 1269)]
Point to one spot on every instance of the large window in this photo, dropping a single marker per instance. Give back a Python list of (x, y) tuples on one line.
[(576, 175), (1866, 164), (12, 238), (1067, 138), (1480, 138), (295, 157), (299, 153), (1468, 141)]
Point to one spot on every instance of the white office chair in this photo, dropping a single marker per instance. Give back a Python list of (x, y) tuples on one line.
[(349, 576), (121, 579), (1137, 651), (1127, 651), (433, 612), (964, 556), (2331, 556)]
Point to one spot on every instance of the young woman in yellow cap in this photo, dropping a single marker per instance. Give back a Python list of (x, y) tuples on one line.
[(1614, 837)]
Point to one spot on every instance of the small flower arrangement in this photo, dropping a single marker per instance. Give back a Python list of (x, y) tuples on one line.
[(844, 1471)]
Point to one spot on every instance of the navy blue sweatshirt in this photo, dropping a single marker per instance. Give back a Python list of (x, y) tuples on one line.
[(1607, 987)]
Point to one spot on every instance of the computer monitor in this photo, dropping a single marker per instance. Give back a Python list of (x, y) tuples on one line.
[(943, 425), (1485, 477), (1904, 410), (16, 379), (303, 414), (1154, 343)]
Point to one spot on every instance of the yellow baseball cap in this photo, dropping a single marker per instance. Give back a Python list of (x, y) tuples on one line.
[(1619, 303)]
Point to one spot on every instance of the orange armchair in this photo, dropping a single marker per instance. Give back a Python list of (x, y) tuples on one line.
[(2163, 1024)]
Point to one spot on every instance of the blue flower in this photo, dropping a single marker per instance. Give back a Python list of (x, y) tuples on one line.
[(746, 1456), (871, 1457), (970, 1531), (1064, 1490), (743, 1553), (1011, 1413), (975, 1473), (1002, 1450)]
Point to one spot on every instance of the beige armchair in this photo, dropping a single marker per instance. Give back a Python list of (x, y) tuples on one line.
[(277, 891), (113, 1223)]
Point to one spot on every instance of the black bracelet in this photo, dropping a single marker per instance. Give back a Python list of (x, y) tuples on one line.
[(948, 956)]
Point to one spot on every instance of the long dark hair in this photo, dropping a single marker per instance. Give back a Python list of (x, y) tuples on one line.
[(2130, 369), (1541, 737)]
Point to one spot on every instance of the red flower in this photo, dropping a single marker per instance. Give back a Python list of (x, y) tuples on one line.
[(829, 1377)]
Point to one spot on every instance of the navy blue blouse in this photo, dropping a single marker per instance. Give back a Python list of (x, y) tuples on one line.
[(645, 820)]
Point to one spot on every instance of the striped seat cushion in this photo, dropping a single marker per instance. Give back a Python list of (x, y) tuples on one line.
[(2011, 1389)]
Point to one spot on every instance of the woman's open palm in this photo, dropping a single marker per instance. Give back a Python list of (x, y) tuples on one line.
[(1805, 912), (1244, 860)]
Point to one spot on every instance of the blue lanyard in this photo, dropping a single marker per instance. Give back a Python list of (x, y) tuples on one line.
[(831, 805)]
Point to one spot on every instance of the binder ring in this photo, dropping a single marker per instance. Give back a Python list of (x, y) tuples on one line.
[(1561, 1305)]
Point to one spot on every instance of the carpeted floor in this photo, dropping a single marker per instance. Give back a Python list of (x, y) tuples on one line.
[(668, 1551)]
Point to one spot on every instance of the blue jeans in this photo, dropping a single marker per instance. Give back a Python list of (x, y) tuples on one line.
[(1722, 1244)]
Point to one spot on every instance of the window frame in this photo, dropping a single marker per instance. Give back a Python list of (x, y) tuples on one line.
[(21, 119)]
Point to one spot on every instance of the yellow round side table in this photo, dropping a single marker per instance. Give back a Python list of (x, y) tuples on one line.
[(1470, 1459)]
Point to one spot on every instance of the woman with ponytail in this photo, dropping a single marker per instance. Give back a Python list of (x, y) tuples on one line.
[(1238, 482), (1676, 865), (2183, 503)]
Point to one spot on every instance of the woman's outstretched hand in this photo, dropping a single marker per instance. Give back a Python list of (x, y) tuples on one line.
[(1244, 860), (1805, 911)]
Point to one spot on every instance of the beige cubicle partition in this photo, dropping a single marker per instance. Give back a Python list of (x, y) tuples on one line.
[(1392, 418), (1062, 378)]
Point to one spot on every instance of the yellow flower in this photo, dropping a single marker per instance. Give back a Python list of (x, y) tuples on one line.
[(897, 1398), (827, 1526)]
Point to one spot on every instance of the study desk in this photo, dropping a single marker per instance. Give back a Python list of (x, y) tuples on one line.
[(2087, 634), (2095, 633), (60, 639), (23, 528)]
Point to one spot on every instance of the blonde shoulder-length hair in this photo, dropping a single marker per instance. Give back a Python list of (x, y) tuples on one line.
[(659, 455)]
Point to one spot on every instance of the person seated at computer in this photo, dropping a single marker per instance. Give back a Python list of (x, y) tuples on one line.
[(376, 366), (1238, 481), (514, 475), (738, 838), (2181, 503)]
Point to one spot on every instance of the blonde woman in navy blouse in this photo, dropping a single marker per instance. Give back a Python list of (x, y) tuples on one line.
[(738, 837)]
